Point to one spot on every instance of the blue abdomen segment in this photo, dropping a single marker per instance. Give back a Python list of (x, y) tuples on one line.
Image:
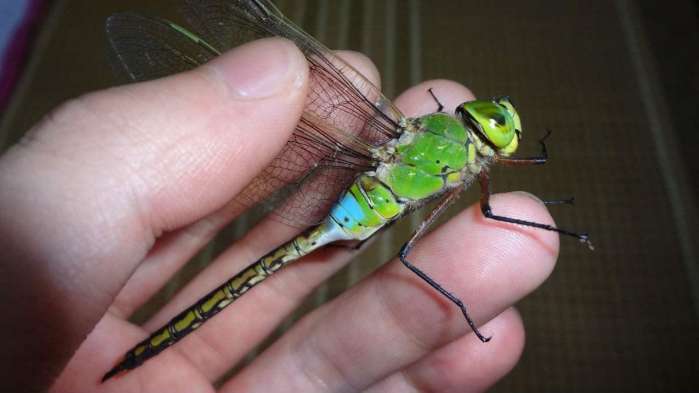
[(365, 207)]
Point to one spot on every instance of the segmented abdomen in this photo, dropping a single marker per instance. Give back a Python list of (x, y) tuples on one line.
[(363, 209)]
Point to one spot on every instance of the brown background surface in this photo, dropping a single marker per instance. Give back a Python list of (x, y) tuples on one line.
[(613, 79)]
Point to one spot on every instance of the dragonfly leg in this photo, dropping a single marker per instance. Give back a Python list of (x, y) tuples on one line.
[(408, 246), (484, 181), (537, 160), (440, 107), (564, 201)]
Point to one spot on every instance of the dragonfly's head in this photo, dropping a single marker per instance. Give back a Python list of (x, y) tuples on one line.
[(495, 122)]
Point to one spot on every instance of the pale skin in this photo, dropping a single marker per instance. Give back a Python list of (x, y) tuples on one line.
[(112, 192)]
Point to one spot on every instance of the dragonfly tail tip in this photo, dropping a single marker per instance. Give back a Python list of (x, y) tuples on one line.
[(116, 370)]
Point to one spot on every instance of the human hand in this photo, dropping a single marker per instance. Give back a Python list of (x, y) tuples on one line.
[(109, 195)]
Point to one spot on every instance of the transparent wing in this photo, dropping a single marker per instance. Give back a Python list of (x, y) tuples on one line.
[(304, 180), (345, 115), (143, 48), (340, 95)]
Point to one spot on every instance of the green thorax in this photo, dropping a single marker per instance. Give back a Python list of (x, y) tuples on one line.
[(430, 155), (438, 151)]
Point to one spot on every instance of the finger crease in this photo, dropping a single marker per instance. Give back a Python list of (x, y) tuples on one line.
[(329, 367), (394, 313), (211, 350), (413, 382)]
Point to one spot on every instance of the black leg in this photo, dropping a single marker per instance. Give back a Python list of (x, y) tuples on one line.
[(538, 160), (405, 250), (566, 201), (440, 107), (484, 180)]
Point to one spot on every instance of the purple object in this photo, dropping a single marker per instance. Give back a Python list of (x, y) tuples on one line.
[(18, 46)]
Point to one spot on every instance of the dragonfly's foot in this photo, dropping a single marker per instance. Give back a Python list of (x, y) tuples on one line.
[(585, 238), (472, 324), (484, 339)]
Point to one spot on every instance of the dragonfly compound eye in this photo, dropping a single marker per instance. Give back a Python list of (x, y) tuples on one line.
[(494, 121), (510, 108)]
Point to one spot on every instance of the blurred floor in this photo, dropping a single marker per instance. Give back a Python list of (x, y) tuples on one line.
[(617, 84)]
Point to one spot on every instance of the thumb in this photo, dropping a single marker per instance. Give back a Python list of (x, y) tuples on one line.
[(84, 195), (204, 134)]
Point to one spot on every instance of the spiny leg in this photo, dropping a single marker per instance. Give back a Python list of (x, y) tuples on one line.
[(566, 201), (484, 181), (407, 247), (440, 107), (537, 160)]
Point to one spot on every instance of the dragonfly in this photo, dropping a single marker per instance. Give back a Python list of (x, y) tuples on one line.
[(354, 164)]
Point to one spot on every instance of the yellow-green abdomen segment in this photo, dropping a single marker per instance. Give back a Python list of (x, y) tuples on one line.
[(211, 304), (362, 210), (365, 208)]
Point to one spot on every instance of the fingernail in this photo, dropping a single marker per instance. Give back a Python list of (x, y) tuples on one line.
[(259, 69)]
